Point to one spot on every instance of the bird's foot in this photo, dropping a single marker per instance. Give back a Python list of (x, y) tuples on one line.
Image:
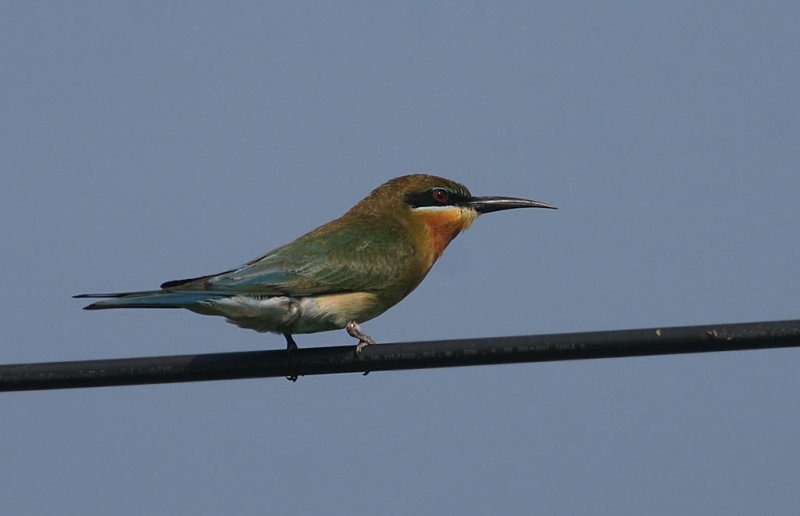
[(364, 340), (291, 346)]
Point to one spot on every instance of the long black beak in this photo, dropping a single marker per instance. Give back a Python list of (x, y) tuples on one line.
[(490, 204)]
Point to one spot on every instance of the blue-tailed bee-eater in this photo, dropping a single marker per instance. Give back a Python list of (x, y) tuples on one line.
[(343, 273)]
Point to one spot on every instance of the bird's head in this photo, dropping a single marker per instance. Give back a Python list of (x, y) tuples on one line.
[(441, 207)]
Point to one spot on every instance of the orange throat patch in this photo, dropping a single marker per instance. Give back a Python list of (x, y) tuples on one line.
[(443, 225)]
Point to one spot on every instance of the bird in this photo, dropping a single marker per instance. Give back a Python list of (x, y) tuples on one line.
[(340, 274)]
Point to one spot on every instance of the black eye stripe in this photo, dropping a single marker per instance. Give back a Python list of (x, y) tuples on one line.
[(437, 196)]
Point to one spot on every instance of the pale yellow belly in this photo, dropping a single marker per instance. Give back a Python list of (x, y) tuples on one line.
[(296, 315)]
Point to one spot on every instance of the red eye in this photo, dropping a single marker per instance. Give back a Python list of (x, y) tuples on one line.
[(439, 195)]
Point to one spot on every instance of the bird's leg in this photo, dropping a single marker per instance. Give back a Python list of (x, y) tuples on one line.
[(291, 346), (363, 340)]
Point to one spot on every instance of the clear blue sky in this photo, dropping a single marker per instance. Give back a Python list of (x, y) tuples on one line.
[(143, 142)]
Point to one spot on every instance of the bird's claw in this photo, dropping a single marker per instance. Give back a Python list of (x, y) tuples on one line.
[(291, 347), (360, 347), (363, 340)]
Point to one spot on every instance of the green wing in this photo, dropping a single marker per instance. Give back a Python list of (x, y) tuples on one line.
[(328, 260)]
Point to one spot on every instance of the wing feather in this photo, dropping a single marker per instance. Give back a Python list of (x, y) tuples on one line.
[(350, 258)]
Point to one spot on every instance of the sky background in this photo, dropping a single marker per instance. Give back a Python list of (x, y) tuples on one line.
[(148, 141)]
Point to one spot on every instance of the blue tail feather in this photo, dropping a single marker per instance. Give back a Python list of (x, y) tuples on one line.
[(149, 299)]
